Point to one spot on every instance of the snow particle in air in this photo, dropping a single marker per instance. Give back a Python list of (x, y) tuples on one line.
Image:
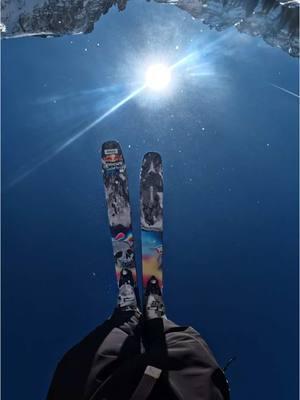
[(177, 47), (98, 44), (203, 129), (129, 146), (94, 273), (268, 144), (2, 27), (85, 49)]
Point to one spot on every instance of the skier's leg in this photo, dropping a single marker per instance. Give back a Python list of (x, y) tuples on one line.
[(116, 338), (119, 346), (192, 367)]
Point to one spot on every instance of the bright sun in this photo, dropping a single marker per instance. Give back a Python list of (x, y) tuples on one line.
[(158, 77)]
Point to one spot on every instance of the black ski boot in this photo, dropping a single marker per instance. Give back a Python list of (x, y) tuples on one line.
[(126, 277), (154, 305), (127, 298)]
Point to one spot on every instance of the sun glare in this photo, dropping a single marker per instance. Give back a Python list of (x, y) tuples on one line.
[(158, 76)]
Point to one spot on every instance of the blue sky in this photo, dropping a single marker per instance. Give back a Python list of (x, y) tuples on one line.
[(229, 143)]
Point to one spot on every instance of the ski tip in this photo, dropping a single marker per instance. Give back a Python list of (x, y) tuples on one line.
[(111, 144), (151, 161), (112, 156), (152, 154), (110, 148)]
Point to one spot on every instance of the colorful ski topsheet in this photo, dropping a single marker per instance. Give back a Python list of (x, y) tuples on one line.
[(118, 206), (151, 203)]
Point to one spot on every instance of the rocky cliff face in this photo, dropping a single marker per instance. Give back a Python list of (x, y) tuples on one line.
[(52, 17), (277, 22)]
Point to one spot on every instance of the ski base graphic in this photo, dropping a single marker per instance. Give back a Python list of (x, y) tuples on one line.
[(151, 203), (118, 207), (152, 251)]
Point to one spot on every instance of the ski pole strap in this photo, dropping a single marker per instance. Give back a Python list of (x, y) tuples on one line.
[(147, 383)]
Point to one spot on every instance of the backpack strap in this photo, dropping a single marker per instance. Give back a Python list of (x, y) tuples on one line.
[(149, 379)]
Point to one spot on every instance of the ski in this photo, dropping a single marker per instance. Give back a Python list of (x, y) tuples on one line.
[(151, 204), (118, 208)]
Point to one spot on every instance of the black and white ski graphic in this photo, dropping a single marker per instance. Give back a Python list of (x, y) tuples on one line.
[(118, 207), (151, 203)]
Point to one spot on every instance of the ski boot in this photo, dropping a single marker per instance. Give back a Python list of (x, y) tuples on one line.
[(126, 299), (154, 305)]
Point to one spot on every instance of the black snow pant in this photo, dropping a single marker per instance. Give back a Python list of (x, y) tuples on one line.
[(111, 361)]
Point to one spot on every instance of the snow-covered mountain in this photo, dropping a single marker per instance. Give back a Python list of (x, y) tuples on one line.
[(277, 22), (52, 17)]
